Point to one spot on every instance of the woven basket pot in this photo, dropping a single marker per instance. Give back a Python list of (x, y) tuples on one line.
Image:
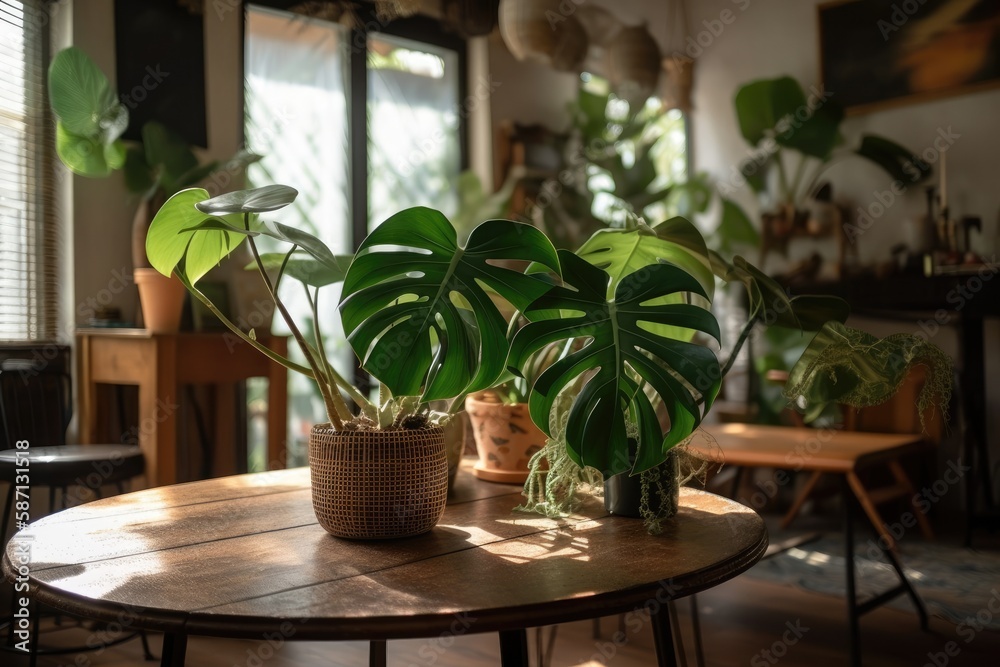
[(378, 485)]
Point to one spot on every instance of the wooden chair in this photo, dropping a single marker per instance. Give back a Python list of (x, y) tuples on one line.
[(36, 403)]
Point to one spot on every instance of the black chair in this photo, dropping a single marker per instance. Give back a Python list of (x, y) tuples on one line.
[(36, 406)]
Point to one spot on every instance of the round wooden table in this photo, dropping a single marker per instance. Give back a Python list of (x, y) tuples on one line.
[(244, 557)]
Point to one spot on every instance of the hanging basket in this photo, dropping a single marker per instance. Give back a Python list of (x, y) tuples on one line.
[(542, 31), (377, 485), (633, 63)]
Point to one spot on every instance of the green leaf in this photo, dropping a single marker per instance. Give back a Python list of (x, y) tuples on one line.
[(754, 170), (256, 200), (770, 302), (82, 155), (898, 162), (760, 105), (167, 153), (624, 251), (817, 134), (692, 197), (83, 99), (620, 361), (855, 368), (138, 175), (307, 269), (173, 236), (407, 286), (735, 226)]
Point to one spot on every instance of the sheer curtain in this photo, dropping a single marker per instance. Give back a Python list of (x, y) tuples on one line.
[(297, 118), (413, 126)]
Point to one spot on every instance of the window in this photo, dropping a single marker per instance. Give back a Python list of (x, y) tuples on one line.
[(362, 125), (29, 237)]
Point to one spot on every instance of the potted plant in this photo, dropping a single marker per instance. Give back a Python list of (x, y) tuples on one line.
[(616, 407), (628, 315), (779, 121), (418, 315), (90, 120), (506, 437)]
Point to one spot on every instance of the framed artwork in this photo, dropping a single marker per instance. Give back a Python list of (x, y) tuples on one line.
[(880, 53)]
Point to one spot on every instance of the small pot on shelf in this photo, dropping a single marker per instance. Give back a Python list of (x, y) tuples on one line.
[(161, 299)]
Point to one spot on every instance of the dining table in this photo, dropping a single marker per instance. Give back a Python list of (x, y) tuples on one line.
[(244, 557)]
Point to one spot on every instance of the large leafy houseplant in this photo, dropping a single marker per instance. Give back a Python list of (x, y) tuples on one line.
[(90, 120), (629, 313), (795, 139), (417, 313)]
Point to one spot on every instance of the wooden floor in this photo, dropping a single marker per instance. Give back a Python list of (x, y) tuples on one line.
[(740, 620)]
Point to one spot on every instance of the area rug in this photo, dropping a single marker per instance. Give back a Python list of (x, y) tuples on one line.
[(955, 584)]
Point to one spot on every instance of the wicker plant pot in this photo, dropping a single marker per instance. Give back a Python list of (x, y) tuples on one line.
[(506, 439), (377, 485)]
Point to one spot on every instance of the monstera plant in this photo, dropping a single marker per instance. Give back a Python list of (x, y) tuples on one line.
[(635, 368)]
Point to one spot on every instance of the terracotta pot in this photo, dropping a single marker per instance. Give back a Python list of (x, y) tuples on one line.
[(506, 439), (377, 485), (161, 299)]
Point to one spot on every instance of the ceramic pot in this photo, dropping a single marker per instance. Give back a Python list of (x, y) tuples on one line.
[(161, 299), (506, 438), (623, 493), (377, 485)]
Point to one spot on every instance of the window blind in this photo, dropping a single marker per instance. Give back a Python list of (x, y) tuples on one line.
[(29, 237)]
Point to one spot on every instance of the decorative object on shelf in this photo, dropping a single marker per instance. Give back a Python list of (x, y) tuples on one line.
[(529, 33), (876, 56)]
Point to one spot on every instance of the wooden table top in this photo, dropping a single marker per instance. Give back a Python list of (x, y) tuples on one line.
[(826, 450), (238, 556)]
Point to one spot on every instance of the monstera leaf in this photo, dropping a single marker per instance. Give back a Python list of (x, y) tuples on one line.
[(624, 251), (621, 362), (411, 288)]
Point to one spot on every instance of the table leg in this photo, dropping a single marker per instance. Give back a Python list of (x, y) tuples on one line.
[(514, 648), (666, 656), (377, 653), (174, 650), (854, 638)]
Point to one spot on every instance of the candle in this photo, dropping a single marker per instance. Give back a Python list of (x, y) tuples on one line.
[(944, 184)]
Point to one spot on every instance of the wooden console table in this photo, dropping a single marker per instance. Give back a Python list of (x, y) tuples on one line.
[(175, 560), (160, 364)]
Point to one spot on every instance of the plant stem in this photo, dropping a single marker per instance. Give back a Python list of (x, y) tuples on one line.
[(260, 347), (799, 173), (783, 179), (739, 344), (334, 403)]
